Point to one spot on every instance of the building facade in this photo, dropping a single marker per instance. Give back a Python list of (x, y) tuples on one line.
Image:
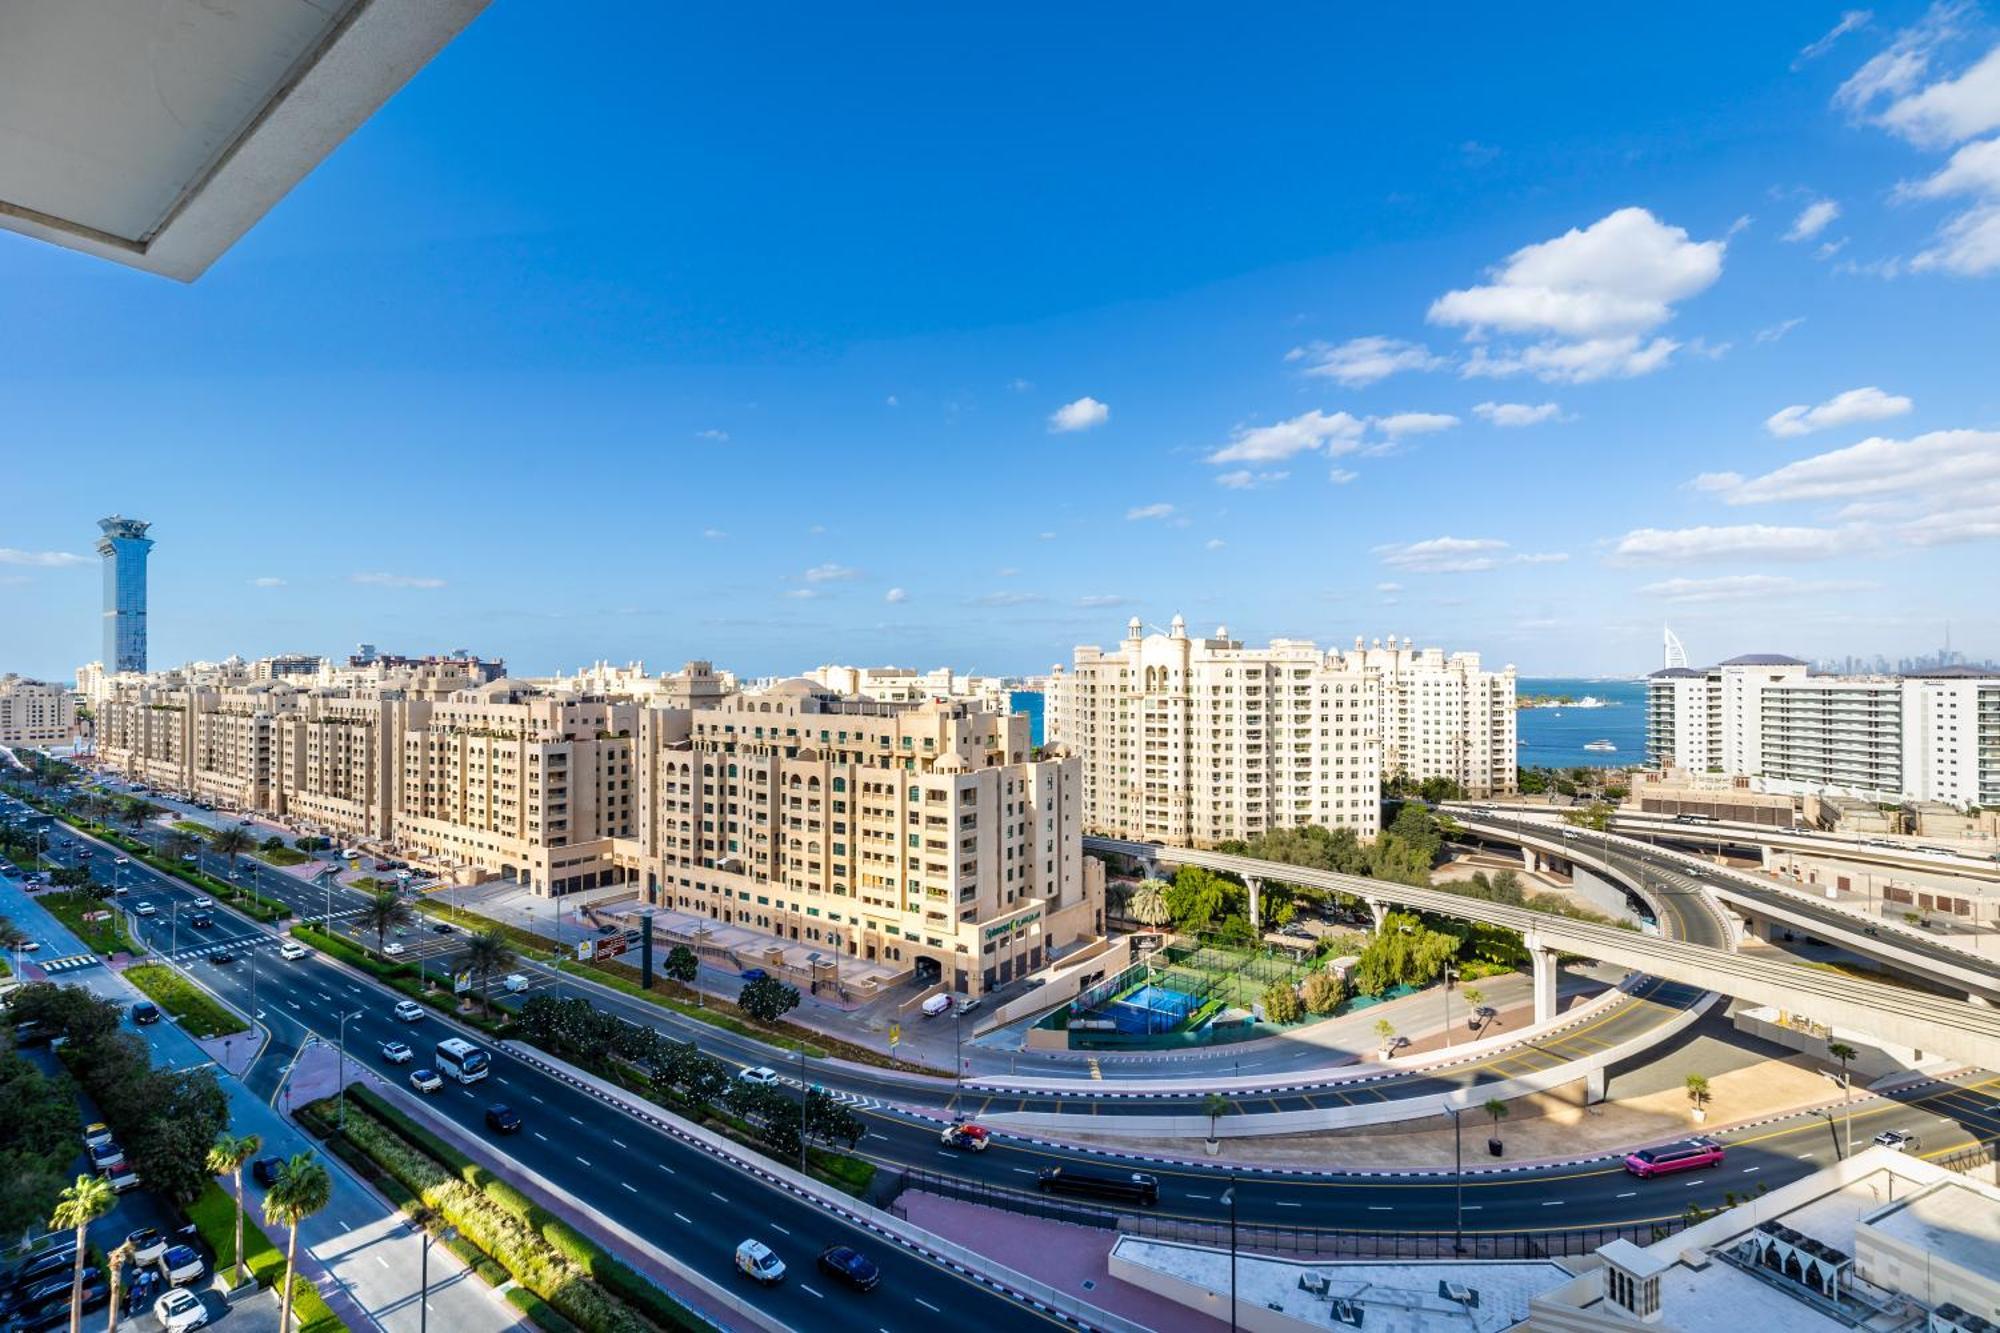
[(124, 547), (35, 712), (1932, 736), (1198, 741), (921, 835), (1441, 716)]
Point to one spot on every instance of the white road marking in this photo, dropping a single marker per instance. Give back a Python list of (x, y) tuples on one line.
[(1380, 1208), (664, 1167), (1283, 1204), (781, 1230), (633, 1188), (1690, 1184), (1474, 1207), (538, 1134), (809, 1291), (1629, 1194), (683, 1219), (1551, 1203), (1200, 1196), (621, 1145), (1748, 1169), (713, 1195), (574, 1121), (926, 1304)]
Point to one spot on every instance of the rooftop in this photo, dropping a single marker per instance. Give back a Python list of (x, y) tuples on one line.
[(1949, 1221), (1763, 659)]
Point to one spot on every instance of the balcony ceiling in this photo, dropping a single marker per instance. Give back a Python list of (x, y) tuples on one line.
[(157, 132)]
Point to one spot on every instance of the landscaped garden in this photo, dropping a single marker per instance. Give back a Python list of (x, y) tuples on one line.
[(192, 1007)]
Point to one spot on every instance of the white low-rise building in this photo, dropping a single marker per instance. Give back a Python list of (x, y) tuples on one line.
[(36, 712)]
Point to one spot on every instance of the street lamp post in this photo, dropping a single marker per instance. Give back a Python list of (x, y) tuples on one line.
[(1457, 1183), (1229, 1197), (958, 1050), (805, 1095), (1449, 977), (447, 1235), (340, 1068)]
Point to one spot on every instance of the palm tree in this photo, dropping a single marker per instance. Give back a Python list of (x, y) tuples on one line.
[(486, 952), (302, 1188), (116, 1264), (1497, 1110), (1475, 1000), (1697, 1086), (90, 1198), (232, 842), (1149, 904), (1387, 1032), (383, 910), (1842, 1052), (1215, 1106), (178, 844), (227, 1157)]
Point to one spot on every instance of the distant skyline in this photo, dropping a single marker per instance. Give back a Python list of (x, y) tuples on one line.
[(972, 339)]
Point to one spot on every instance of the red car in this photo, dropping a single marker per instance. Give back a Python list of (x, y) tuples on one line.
[(966, 1137)]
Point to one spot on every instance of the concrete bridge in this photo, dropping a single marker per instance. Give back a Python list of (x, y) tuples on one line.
[(1956, 1029)]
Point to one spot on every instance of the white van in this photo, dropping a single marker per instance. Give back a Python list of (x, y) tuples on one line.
[(937, 1004)]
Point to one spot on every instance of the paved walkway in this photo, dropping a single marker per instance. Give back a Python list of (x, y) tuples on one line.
[(365, 1258)]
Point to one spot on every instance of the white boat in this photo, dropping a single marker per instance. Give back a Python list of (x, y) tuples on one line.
[(1600, 747)]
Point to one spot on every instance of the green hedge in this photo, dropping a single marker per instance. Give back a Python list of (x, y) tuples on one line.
[(281, 856), (191, 1006), (214, 1216)]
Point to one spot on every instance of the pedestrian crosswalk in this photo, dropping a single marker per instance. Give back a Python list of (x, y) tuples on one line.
[(854, 1099), (70, 963)]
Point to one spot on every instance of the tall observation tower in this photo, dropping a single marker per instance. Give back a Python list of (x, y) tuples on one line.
[(124, 546)]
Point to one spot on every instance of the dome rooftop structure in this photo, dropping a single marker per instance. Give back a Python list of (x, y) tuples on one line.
[(1763, 659)]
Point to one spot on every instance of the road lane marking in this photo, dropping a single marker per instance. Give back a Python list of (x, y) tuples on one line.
[(1630, 1194), (532, 1095), (629, 1186), (779, 1229), (664, 1167), (1283, 1204), (717, 1197), (809, 1291), (574, 1121), (621, 1145), (683, 1219), (581, 1160), (926, 1304), (1551, 1203), (538, 1134), (1380, 1208)]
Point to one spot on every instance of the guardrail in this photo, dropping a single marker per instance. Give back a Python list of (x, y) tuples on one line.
[(1264, 1238)]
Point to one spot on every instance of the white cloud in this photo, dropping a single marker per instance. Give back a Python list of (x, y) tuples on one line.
[(395, 581), (1745, 587), (1950, 110), (1414, 423), (1340, 476), (1893, 72), (1079, 415), (1541, 558), (1968, 245), (831, 573), (802, 594), (1516, 414), (1714, 483), (1359, 362), (1843, 409), (1451, 555), (1813, 219), (1161, 510), (1337, 433), (41, 559), (1744, 540), (895, 596), (1214, 544), (1948, 466), (1007, 572), (1772, 333), (1851, 21), (1388, 587), (1096, 601), (714, 534), (267, 582), (1620, 275), (1045, 536), (719, 436), (1019, 385), (1974, 169), (1574, 362), (1243, 479)]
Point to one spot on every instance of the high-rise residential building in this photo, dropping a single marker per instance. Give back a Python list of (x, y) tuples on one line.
[(1927, 736), (35, 712), (1440, 715), (1200, 740), (124, 546), (916, 835), (890, 684)]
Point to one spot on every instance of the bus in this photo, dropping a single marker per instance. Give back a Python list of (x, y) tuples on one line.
[(460, 1059), (1675, 1157)]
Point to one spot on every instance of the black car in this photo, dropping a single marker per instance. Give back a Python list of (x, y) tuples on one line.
[(265, 1170), (503, 1119), (144, 1012), (53, 1313), (36, 1271), (203, 920), (29, 1299), (442, 927), (222, 956), (851, 1266)]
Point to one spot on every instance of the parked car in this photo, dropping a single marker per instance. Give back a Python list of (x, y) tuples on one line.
[(28, 1296), (763, 1076), (292, 949), (106, 1157), (144, 1012), (265, 1170), (851, 1266), (408, 1011), (425, 1080), (122, 1179), (47, 1305), (180, 1310), (147, 1245), (503, 1119), (40, 1268), (95, 1133), (398, 1052), (441, 927), (755, 974), (755, 1260), (180, 1265)]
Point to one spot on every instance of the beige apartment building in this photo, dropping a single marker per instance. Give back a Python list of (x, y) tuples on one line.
[(1197, 741), (1441, 716), (35, 712), (917, 835)]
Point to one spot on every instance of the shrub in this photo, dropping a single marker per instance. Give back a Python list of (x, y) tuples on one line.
[(191, 1007), (1281, 1003), (1323, 993)]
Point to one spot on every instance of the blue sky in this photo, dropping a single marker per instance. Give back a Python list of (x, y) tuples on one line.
[(781, 335)]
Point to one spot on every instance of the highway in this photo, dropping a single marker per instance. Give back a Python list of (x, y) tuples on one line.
[(572, 1139)]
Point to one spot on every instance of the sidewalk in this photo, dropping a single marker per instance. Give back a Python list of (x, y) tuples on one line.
[(365, 1260)]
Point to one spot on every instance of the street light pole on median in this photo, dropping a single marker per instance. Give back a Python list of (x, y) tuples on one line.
[(1457, 1183), (1229, 1197), (340, 1069)]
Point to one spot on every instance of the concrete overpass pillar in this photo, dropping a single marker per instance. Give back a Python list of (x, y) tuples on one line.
[(1256, 890), (1531, 860), (1380, 910), (1545, 974), (1975, 997)]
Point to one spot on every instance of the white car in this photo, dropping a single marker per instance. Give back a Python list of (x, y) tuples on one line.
[(351, 854), (1898, 1140), (146, 909), (292, 949), (754, 1260), (398, 1052), (425, 1080), (147, 1245), (392, 949), (180, 1310), (121, 861), (200, 902), (763, 1076), (514, 982), (180, 1265), (409, 1011)]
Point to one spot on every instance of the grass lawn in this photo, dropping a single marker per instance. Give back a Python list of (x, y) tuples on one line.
[(282, 856), (191, 1006), (214, 1215), (201, 831), (106, 935)]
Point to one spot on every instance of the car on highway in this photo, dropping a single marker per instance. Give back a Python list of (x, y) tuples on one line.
[(1899, 1140), (393, 949), (201, 920), (408, 1011), (966, 1137), (147, 1245), (265, 1170), (145, 908), (398, 1052), (755, 1261), (763, 1076), (514, 981), (121, 861), (292, 949), (851, 1266), (441, 927), (503, 1119), (1132, 1186), (180, 1265), (221, 957), (1688, 1156), (24, 944), (180, 1310), (200, 903), (425, 1080), (144, 1012)]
